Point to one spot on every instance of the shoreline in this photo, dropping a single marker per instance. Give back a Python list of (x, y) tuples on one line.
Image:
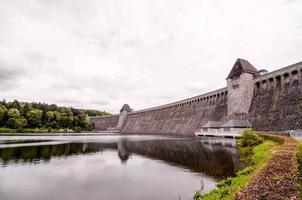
[(275, 176), (279, 171)]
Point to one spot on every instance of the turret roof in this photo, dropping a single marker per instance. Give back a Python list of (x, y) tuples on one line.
[(126, 107), (242, 66)]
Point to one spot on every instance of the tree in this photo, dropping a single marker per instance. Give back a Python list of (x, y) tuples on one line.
[(4, 103), (18, 115), (25, 109), (15, 104), (13, 113), (67, 118), (21, 122), (80, 119), (34, 118), (3, 111), (15, 120), (51, 119)]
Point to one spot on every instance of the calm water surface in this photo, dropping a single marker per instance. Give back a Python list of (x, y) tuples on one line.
[(112, 167)]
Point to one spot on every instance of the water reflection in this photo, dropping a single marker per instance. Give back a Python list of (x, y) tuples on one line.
[(147, 169), (214, 160), (197, 155), (34, 154)]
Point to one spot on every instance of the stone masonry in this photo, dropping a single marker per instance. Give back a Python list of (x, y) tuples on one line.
[(270, 101)]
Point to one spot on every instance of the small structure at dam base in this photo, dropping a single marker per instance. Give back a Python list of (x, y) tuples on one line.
[(232, 128)]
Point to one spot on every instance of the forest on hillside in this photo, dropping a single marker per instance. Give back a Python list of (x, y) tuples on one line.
[(20, 115)]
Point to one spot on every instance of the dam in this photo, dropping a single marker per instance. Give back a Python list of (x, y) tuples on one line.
[(270, 101)]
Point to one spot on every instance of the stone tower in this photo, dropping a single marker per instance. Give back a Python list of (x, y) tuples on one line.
[(240, 84), (123, 116)]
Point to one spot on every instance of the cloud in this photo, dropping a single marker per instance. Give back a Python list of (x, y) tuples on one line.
[(9, 75), (102, 53)]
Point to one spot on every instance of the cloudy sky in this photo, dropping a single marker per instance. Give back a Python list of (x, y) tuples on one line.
[(104, 53)]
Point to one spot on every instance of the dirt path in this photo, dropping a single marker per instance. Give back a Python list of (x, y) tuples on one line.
[(278, 180)]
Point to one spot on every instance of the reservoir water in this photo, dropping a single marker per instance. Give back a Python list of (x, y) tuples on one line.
[(112, 167)]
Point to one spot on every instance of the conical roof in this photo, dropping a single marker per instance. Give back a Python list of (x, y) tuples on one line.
[(242, 66), (126, 107)]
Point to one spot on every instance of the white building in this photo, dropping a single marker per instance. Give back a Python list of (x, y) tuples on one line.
[(232, 128)]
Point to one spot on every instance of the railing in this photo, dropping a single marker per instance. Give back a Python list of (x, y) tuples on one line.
[(295, 133)]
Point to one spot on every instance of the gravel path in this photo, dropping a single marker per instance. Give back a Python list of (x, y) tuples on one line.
[(278, 180)]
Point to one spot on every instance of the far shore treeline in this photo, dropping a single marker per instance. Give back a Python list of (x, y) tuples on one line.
[(18, 116)]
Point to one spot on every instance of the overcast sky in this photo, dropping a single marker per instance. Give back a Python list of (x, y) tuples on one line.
[(104, 53)]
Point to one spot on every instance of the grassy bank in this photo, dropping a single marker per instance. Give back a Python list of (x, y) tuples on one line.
[(27, 130), (279, 178), (227, 188), (299, 160)]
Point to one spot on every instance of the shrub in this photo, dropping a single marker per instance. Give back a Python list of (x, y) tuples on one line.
[(246, 143), (49, 130), (249, 139), (245, 171), (197, 195), (274, 138), (77, 129)]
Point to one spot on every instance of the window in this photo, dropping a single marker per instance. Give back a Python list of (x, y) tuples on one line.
[(227, 129), (235, 86)]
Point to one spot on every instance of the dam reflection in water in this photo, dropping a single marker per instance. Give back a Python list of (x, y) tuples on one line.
[(119, 168)]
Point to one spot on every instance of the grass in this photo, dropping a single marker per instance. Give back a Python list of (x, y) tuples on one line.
[(25, 130), (299, 160), (7, 130), (228, 187)]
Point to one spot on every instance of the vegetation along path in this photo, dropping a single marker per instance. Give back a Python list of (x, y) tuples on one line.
[(279, 178)]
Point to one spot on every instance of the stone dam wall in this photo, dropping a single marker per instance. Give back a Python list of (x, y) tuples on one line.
[(181, 117), (105, 122), (275, 105)]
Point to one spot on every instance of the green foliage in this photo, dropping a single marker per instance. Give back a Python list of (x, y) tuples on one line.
[(34, 118), (197, 195), (227, 188), (77, 129), (7, 130), (246, 171), (23, 115), (13, 113), (15, 120), (67, 118), (15, 104), (3, 112), (25, 130), (17, 123), (246, 143), (94, 113), (21, 122), (274, 138), (299, 161), (299, 158), (50, 119), (32, 130), (249, 139)]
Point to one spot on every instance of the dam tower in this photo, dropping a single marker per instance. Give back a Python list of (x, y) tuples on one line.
[(240, 86)]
